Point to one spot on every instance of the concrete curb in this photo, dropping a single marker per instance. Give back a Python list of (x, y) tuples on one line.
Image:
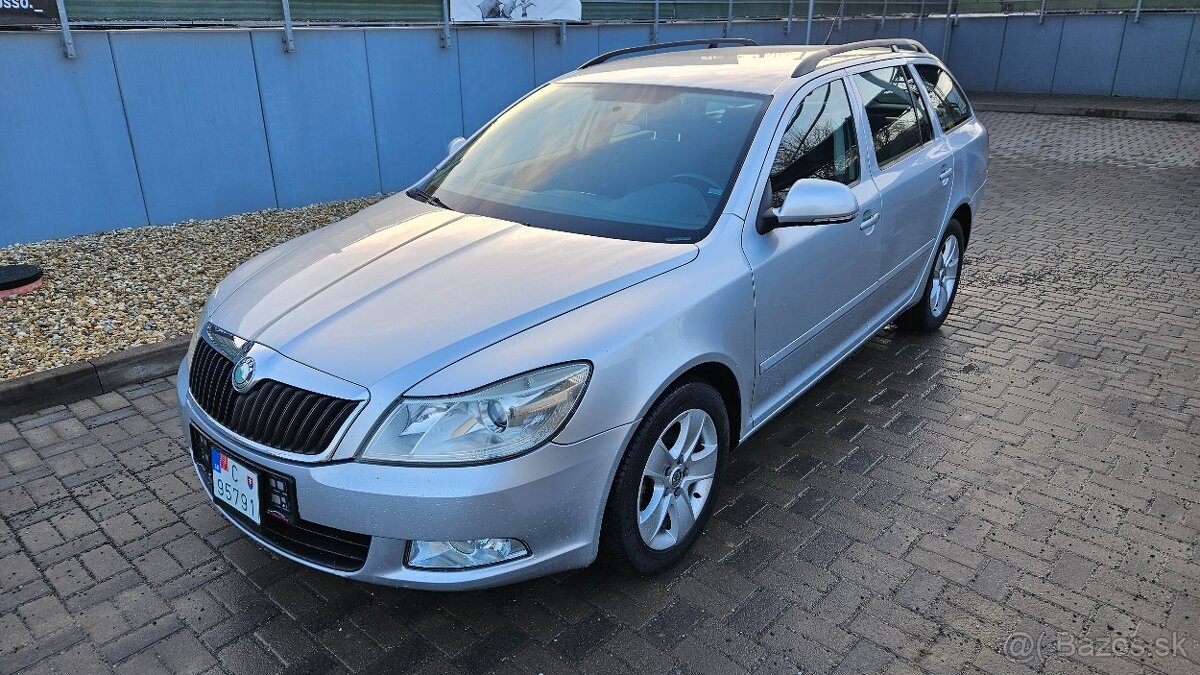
[(1084, 111), (90, 378)]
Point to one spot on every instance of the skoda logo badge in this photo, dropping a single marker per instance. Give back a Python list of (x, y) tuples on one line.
[(243, 374)]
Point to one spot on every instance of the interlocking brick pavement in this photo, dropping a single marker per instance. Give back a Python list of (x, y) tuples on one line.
[(1030, 470)]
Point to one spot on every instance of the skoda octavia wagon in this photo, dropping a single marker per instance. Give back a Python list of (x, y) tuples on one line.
[(546, 349)]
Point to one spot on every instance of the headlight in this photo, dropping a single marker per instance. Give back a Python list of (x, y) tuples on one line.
[(495, 422)]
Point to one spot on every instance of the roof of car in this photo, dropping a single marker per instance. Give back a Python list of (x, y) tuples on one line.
[(760, 70)]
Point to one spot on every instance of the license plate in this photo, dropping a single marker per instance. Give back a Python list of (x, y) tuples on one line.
[(235, 485)]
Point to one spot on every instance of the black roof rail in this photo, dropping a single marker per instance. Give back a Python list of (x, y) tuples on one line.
[(809, 61), (711, 42)]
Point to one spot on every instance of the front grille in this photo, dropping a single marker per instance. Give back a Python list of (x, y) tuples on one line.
[(274, 414), (281, 522)]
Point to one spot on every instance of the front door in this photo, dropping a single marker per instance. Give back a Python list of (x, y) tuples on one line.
[(811, 282)]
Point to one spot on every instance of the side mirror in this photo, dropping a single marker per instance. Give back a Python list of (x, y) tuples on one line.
[(812, 201), (454, 145)]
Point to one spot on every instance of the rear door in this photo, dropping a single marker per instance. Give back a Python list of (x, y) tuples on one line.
[(913, 167), (963, 132)]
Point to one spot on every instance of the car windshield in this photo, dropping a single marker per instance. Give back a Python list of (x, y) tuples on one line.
[(626, 161)]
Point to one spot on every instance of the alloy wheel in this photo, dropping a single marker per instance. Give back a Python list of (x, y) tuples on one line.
[(677, 479), (945, 277)]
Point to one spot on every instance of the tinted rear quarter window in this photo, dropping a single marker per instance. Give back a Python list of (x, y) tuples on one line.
[(919, 106), (948, 100)]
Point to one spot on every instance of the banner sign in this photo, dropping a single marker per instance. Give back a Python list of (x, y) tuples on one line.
[(24, 12), (504, 11)]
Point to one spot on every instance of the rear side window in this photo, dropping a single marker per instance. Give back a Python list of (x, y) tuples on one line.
[(948, 100), (895, 127), (819, 143), (919, 106)]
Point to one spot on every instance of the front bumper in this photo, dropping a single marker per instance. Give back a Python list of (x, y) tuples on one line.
[(552, 499)]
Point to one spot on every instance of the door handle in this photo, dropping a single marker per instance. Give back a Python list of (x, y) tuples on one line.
[(947, 171), (869, 221)]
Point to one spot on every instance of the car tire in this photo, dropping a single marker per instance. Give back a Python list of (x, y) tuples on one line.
[(941, 286), (630, 538)]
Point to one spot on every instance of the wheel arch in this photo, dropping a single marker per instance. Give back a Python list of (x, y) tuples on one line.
[(723, 379), (717, 373), (963, 215)]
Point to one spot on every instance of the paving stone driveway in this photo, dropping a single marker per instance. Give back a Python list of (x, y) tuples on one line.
[(1023, 484)]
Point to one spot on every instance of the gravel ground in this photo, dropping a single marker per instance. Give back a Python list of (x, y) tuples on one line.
[(114, 290)]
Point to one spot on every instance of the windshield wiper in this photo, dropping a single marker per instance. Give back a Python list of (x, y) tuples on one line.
[(421, 195)]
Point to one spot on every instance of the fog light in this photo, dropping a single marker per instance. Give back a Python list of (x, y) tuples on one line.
[(457, 555)]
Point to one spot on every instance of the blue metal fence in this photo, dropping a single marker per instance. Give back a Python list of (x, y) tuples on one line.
[(159, 126)]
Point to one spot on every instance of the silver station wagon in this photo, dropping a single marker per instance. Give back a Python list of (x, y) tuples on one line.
[(546, 349)]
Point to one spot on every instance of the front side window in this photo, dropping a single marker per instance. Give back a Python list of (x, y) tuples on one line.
[(948, 100), (895, 128), (640, 162), (819, 143)]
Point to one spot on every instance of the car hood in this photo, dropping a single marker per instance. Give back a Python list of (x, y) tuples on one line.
[(400, 287)]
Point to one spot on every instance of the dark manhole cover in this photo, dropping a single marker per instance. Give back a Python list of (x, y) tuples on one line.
[(17, 279)]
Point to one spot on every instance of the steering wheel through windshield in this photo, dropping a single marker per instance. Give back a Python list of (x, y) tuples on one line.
[(707, 186)]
